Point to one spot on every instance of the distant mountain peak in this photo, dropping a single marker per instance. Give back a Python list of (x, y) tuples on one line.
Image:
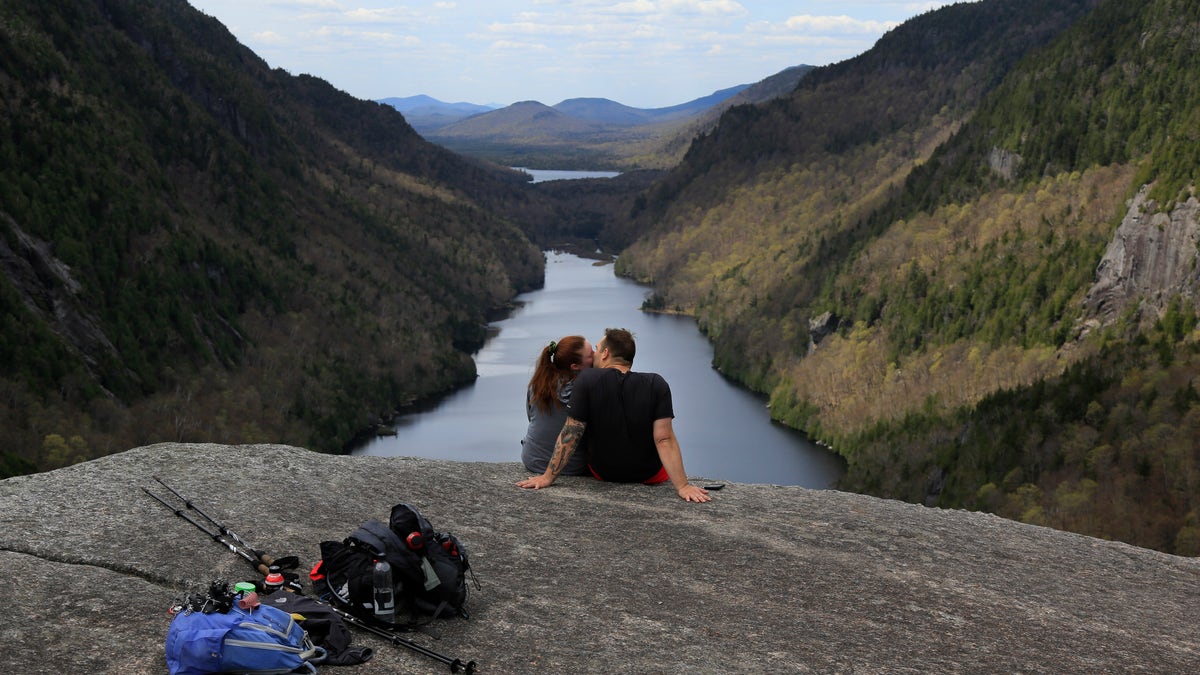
[(423, 100)]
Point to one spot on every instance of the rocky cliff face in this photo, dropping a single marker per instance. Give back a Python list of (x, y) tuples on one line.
[(46, 287), (1153, 257), (593, 577)]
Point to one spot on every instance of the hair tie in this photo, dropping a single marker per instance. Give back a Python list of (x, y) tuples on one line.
[(552, 347)]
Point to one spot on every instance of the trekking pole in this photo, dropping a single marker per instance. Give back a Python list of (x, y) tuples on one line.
[(456, 665), (255, 561), (287, 562)]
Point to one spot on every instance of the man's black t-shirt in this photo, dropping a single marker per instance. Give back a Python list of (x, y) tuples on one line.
[(620, 410)]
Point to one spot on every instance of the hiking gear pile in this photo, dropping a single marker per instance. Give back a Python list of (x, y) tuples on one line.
[(429, 568), (224, 632)]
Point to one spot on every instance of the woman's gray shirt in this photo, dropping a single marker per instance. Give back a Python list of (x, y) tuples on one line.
[(538, 445)]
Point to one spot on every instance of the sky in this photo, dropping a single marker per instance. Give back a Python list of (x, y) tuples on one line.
[(642, 53)]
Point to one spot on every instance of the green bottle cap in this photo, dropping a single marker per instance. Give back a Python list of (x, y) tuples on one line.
[(243, 587)]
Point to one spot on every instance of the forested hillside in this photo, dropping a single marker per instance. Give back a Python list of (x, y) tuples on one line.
[(198, 247), (917, 256)]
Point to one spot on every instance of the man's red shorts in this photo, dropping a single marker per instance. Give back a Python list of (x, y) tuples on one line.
[(660, 477)]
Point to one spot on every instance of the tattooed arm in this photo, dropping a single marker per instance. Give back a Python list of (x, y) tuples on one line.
[(564, 447)]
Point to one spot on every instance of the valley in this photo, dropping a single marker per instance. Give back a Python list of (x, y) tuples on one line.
[(965, 259)]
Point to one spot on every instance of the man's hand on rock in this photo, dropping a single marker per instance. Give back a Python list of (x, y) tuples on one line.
[(536, 482), (693, 493)]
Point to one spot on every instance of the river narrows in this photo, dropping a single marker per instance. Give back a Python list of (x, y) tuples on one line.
[(724, 430)]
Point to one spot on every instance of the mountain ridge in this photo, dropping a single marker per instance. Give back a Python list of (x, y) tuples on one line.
[(180, 224), (605, 110), (900, 253), (524, 119), (595, 133), (426, 113)]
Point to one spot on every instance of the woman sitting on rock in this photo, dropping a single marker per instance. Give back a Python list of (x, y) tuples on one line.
[(546, 401)]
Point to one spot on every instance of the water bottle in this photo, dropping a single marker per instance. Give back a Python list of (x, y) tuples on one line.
[(272, 583), (384, 600), (245, 595)]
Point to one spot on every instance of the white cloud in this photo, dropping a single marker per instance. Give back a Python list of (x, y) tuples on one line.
[(514, 46), (645, 31), (633, 7), (270, 37), (318, 4), (374, 15), (542, 28), (837, 24), (352, 38), (704, 7), (676, 8)]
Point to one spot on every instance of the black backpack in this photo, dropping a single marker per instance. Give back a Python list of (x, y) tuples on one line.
[(324, 625), (429, 568)]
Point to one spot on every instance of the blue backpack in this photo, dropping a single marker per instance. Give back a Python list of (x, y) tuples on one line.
[(262, 640)]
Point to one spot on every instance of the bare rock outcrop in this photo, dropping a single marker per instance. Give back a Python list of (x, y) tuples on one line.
[(821, 327), (47, 289), (1004, 162), (1153, 257), (593, 577)]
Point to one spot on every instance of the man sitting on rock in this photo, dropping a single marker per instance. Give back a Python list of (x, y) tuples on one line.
[(627, 416)]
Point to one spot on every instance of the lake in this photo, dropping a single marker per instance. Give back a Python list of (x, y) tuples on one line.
[(724, 430), (540, 175)]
